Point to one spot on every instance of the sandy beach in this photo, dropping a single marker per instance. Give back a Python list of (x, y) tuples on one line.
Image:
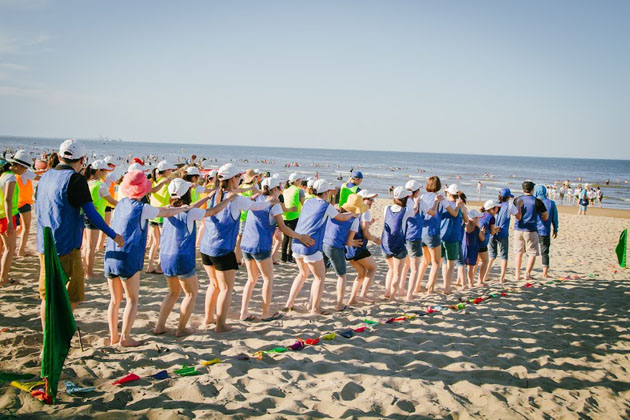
[(558, 350)]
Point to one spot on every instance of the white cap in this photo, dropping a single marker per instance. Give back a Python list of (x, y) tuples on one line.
[(71, 149), (452, 189), (585, 185), (100, 164), (165, 165), (257, 171), (400, 192), (367, 194), (271, 182), (228, 171), (413, 185), (294, 177), (474, 213), (193, 170), (212, 173), (321, 186), (22, 157), (178, 187), (490, 204), (136, 167), (109, 159), (310, 183)]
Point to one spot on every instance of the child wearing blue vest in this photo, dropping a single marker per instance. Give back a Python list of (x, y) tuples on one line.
[(544, 227), (413, 239), (337, 237), (487, 220), (315, 213), (526, 229), (256, 246), (473, 236), (124, 263), (451, 232), (359, 256), (177, 253), (218, 244), (499, 242)]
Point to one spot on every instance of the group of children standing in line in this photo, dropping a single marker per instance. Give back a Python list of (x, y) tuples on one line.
[(242, 220)]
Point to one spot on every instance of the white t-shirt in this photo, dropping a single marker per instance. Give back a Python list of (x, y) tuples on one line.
[(28, 175), (149, 212), (5, 179), (194, 214), (366, 217), (512, 210), (355, 225), (241, 203), (276, 210)]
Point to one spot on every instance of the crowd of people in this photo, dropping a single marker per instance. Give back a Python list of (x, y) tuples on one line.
[(143, 218)]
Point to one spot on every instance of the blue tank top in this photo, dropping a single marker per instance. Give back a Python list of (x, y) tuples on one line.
[(503, 220), (486, 220), (414, 227), (312, 222), (177, 247), (353, 251), (55, 211), (450, 226), (258, 232), (221, 231), (529, 216), (470, 247), (431, 226), (544, 228), (127, 221), (336, 233), (393, 238)]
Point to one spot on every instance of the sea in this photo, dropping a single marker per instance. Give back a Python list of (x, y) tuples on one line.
[(381, 170)]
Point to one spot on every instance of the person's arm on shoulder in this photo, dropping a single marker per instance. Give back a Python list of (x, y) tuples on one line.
[(492, 223), (453, 211), (95, 218), (171, 211), (542, 210), (216, 209), (159, 185), (482, 233), (9, 190), (305, 239)]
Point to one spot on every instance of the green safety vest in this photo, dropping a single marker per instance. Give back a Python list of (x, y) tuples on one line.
[(99, 202), (161, 198), (345, 192), (308, 196), (292, 199), (245, 194), (16, 194)]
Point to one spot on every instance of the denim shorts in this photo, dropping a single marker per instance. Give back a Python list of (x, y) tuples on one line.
[(184, 276), (401, 255), (431, 241), (337, 257), (414, 248), (498, 244), (260, 256)]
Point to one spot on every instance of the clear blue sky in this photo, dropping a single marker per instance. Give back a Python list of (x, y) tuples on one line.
[(493, 77)]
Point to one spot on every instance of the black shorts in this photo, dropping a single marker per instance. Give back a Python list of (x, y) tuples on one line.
[(26, 208), (223, 263), (89, 225), (363, 254), (108, 209), (152, 223), (483, 248)]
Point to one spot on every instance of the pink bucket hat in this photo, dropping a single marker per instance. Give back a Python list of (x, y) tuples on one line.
[(135, 184)]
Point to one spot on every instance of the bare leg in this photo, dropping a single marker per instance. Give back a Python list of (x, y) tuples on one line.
[(341, 291), (504, 264), (319, 272), (448, 276), (483, 267), (298, 282), (361, 271), (237, 250), (155, 247), (225, 280), (90, 250), (102, 237), (191, 288), (436, 258), (471, 274), (424, 264), (174, 289), (116, 295), (414, 262), (403, 276), (531, 260), (388, 277), (266, 269), (518, 259), (370, 265), (398, 267), (131, 287), (25, 222), (8, 250), (252, 278), (212, 293)]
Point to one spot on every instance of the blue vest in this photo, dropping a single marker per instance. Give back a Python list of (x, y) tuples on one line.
[(414, 227), (352, 251), (55, 211), (470, 247), (177, 247), (336, 233), (258, 233), (393, 238), (127, 221), (544, 228), (312, 222), (450, 226), (431, 224), (221, 231), (529, 217), (485, 221), (502, 220)]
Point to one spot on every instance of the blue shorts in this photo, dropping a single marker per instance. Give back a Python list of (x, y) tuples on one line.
[(401, 255), (184, 276), (431, 241), (583, 208), (498, 244), (260, 256), (337, 257), (414, 248), (459, 262)]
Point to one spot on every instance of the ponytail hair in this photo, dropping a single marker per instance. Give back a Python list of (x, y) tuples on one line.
[(266, 191), (178, 202), (154, 174), (402, 202), (53, 161), (462, 197), (4, 167), (482, 209)]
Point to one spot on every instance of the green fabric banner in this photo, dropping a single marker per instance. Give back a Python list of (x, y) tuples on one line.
[(60, 325), (622, 249)]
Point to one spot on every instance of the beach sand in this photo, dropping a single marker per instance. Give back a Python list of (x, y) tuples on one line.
[(556, 350)]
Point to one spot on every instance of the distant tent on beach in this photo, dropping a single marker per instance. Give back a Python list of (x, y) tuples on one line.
[(59, 326), (622, 249)]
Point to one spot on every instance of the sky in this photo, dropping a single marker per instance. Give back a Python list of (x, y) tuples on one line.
[(534, 78)]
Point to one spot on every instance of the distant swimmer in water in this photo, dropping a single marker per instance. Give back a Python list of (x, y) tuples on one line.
[(479, 188)]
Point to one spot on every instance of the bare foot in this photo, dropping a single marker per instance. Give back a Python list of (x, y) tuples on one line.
[(114, 341), (184, 332), (365, 299), (129, 342), (352, 302), (160, 331), (224, 329), (207, 322)]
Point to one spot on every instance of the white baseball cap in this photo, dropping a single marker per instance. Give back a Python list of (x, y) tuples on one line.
[(586, 185), (490, 204), (474, 213), (271, 182), (109, 159), (193, 170), (413, 185), (228, 171), (71, 149), (178, 187), (367, 194), (136, 167), (257, 171), (294, 177), (100, 164), (212, 173), (310, 183), (165, 165), (452, 189), (400, 192), (22, 157), (321, 186)]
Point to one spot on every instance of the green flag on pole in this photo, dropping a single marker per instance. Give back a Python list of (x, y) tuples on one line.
[(622, 249), (59, 326)]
